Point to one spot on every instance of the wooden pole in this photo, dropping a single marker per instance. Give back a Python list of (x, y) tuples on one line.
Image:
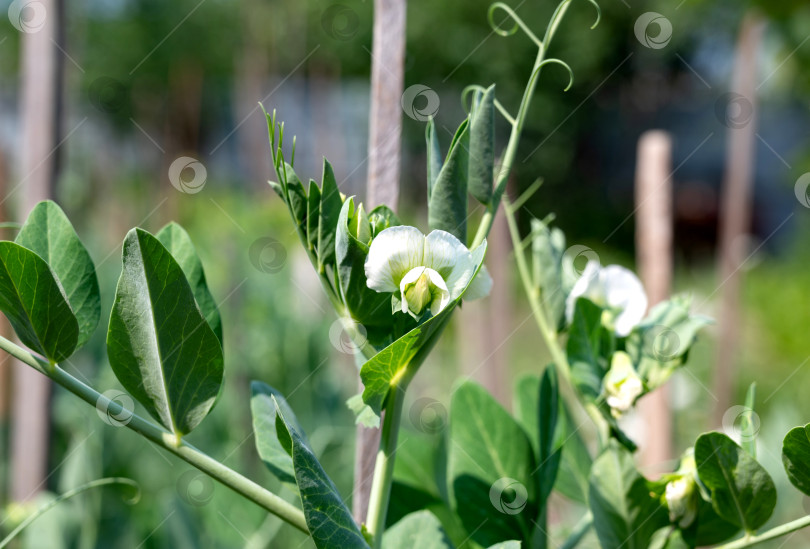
[(40, 97), (735, 213), (654, 258), (382, 187)]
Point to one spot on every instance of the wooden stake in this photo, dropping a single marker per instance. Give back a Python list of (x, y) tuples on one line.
[(385, 124), (654, 257), (735, 213)]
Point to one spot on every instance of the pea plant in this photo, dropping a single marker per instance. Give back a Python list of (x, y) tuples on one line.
[(487, 480)]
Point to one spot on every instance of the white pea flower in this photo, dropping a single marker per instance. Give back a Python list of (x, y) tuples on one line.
[(622, 384), (613, 287), (427, 272), (681, 493)]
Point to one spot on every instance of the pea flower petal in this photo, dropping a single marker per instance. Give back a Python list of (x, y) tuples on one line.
[(427, 271), (614, 287), (622, 384)]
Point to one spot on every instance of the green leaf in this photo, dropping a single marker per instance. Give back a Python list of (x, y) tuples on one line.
[(669, 537), (179, 244), (434, 156), (329, 521), (526, 393), (711, 527), (313, 216), (548, 247), (159, 345), (584, 348), (550, 450), (331, 203), (625, 513), (381, 218), (575, 467), (405, 355), (489, 467), (297, 199), (370, 308), (482, 146), (447, 205), (263, 410), (511, 544), (420, 529), (48, 233), (742, 490), (796, 457), (35, 303)]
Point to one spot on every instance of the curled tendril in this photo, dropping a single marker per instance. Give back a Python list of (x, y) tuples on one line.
[(516, 20), (558, 62), (598, 13), (476, 87)]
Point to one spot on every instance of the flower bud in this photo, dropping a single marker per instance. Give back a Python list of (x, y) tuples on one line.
[(622, 384)]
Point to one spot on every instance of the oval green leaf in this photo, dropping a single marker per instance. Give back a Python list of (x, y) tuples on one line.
[(49, 234), (263, 410), (159, 345), (179, 244), (742, 491), (796, 457), (420, 529), (35, 303)]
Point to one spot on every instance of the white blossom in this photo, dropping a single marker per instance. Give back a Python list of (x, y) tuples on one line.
[(622, 384), (613, 287), (426, 272)]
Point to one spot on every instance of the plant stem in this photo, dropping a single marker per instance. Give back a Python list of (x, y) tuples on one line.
[(548, 333), (773, 533), (384, 468), (208, 465), (509, 154)]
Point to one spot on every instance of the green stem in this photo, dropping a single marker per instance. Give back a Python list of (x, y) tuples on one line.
[(62, 497), (548, 333), (384, 467), (773, 533), (216, 470), (508, 158)]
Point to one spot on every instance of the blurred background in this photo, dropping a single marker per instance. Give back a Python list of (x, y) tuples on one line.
[(155, 111)]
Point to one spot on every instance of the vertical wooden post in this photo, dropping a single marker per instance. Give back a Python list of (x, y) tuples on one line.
[(382, 187), (654, 258), (735, 213), (40, 97)]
